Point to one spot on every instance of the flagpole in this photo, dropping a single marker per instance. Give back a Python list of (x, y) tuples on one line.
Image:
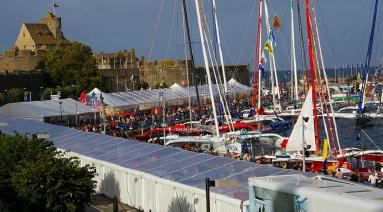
[(54, 9)]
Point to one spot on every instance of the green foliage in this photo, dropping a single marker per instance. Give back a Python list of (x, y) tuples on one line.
[(70, 91), (2, 99), (38, 177), (162, 84), (15, 95), (72, 64)]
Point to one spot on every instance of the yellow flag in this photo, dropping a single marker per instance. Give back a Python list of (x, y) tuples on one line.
[(276, 23), (268, 47), (325, 149)]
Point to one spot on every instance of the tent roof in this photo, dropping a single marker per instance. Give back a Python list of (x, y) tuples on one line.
[(41, 109), (170, 163), (176, 86), (175, 92)]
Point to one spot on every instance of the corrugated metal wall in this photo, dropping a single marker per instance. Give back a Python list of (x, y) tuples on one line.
[(151, 193)]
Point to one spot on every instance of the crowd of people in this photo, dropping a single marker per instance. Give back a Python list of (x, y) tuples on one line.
[(135, 122)]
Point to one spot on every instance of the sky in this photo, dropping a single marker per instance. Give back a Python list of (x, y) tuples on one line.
[(113, 25)]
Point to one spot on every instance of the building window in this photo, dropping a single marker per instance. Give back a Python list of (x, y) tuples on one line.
[(23, 34), (25, 46)]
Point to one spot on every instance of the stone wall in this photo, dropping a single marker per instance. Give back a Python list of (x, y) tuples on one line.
[(19, 63), (31, 81), (167, 71), (241, 73), (119, 80)]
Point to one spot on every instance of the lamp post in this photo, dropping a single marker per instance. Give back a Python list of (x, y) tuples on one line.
[(7, 100), (61, 112), (103, 115), (222, 183), (41, 93), (304, 119), (196, 86)]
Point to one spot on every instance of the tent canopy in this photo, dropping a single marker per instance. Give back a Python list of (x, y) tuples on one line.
[(40, 109), (175, 92), (169, 163)]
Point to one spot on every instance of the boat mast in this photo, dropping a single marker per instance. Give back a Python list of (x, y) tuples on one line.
[(362, 92), (293, 57), (303, 52), (257, 77), (186, 22), (327, 87), (270, 56), (219, 47), (187, 68), (198, 5), (312, 73)]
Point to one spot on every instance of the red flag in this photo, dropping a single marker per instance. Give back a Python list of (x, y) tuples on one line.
[(83, 98)]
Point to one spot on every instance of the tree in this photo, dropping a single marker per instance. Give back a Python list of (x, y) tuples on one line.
[(15, 95), (72, 64), (34, 175)]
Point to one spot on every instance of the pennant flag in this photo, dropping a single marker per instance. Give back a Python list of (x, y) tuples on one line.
[(325, 149), (55, 5), (276, 23), (268, 47), (272, 38), (83, 98), (261, 69), (263, 58)]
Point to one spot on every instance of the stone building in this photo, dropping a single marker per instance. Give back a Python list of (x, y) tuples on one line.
[(123, 71), (164, 72), (32, 43), (239, 72), (119, 70)]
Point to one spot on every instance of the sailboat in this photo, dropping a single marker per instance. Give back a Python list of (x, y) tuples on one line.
[(362, 117), (216, 140)]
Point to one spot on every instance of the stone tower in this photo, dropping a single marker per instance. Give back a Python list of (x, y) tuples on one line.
[(54, 25)]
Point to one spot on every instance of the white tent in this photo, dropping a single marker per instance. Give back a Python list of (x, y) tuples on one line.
[(175, 93), (38, 110), (178, 87)]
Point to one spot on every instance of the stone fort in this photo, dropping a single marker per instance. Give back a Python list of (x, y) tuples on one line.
[(32, 43)]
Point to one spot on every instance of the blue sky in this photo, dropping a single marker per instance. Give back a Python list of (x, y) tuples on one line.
[(112, 25)]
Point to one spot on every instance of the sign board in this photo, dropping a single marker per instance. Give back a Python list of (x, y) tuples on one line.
[(226, 183), (3, 124), (43, 135)]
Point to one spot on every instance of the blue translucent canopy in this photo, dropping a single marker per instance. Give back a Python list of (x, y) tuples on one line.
[(171, 163)]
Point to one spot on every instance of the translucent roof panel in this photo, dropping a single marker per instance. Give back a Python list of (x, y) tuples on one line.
[(197, 169), (170, 163), (164, 161), (48, 108), (132, 98)]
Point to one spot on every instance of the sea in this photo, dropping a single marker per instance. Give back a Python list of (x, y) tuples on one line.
[(368, 135), (284, 76)]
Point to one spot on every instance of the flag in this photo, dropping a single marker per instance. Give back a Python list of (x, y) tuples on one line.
[(268, 47), (55, 5), (263, 58), (325, 149), (261, 68), (161, 95), (83, 98), (272, 38), (276, 23)]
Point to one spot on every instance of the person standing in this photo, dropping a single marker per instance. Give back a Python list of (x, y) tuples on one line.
[(373, 178), (339, 174)]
